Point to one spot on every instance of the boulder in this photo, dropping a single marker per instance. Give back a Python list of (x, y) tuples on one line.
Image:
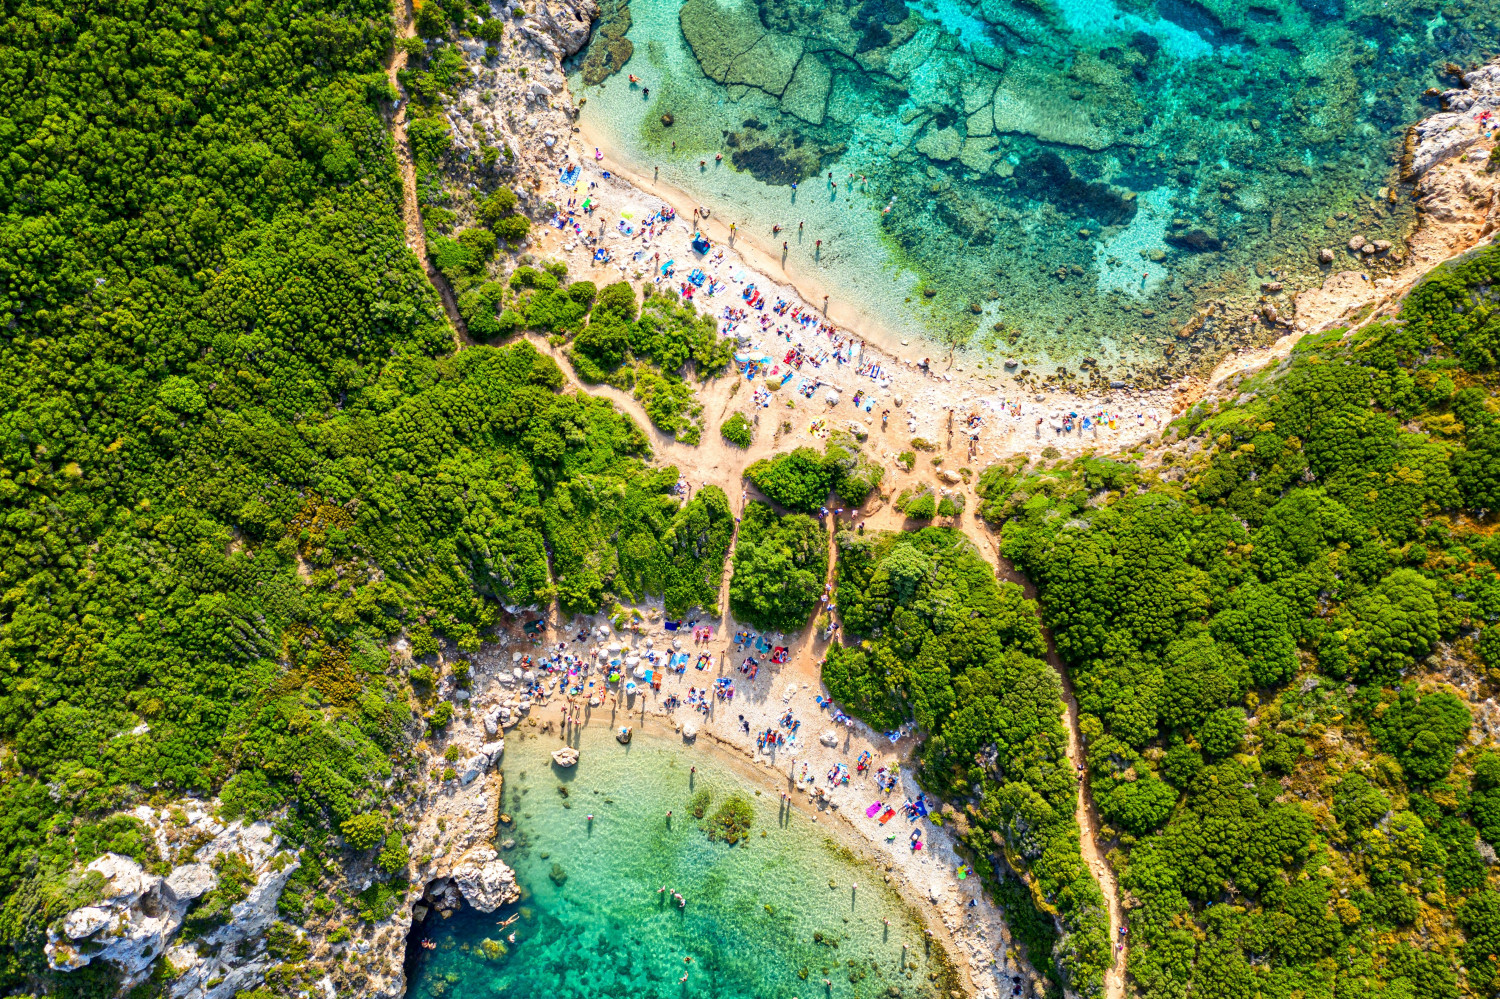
[(829, 738), (567, 756), (484, 881), (689, 731)]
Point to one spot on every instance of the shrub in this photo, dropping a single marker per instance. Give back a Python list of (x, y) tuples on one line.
[(738, 430), (363, 831), (395, 857)]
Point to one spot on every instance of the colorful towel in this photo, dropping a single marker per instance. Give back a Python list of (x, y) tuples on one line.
[(890, 813), (870, 812)]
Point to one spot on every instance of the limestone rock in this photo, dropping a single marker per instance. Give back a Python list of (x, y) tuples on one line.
[(1441, 136), (137, 917), (689, 731), (978, 154), (941, 145), (560, 26), (485, 881), (806, 95), (829, 738), (567, 756)]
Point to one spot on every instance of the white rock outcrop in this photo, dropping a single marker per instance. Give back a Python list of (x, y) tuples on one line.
[(138, 915), (1441, 136), (561, 26), (567, 756), (484, 881)]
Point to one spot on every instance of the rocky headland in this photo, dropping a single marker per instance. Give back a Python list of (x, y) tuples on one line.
[(209, 905)]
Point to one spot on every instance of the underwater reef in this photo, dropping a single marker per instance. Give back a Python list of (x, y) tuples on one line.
[(1110, 181)]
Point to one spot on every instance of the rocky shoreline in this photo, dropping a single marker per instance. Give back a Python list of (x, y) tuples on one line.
[(136, 915)]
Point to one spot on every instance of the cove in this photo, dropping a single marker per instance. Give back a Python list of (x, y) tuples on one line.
[(771, 917), (1059, 180)]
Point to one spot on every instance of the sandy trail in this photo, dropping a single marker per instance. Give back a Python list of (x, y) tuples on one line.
[(411, 211)]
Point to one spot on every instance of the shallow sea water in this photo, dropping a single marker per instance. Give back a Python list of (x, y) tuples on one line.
[(754, 916), (1069, 179)]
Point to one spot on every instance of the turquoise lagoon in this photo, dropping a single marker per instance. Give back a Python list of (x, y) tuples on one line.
[(1058, 180), (759, 916)]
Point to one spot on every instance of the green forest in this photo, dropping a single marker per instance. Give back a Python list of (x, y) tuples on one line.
[(933, 637), (1274, 633), (237, 453)]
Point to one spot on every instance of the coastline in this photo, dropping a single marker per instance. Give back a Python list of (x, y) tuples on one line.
[(836, 828), (757, 255), (976, 938)]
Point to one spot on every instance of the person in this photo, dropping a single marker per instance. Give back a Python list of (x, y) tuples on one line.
[(646, 91)]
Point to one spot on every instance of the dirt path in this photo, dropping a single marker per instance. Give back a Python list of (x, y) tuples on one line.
[(887, 518), (1087, 815), (411, 211)]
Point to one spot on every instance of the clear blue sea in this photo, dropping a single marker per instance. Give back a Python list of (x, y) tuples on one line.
[(771, 918), (1059, 180)]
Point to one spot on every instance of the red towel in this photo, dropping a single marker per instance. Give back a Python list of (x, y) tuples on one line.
[(890, 813)]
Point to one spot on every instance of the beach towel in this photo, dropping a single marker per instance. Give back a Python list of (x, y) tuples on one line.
[(671, 625), (890, 813), (870, 812)]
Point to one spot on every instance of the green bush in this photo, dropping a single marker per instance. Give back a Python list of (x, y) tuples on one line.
[(395, 856), (363, 831), (738, 430), (780, 565)]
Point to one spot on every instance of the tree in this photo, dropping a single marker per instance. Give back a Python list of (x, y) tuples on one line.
[(1423, 732), (364, 830), (1222, 732), (779, 567), (798, 480)]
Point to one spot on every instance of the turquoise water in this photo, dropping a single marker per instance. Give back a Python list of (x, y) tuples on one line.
[(759, 916), (1069, 179)]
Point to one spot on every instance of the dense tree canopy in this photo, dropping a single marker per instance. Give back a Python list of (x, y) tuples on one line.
[(1248, 624), (933, 637), (236, 456), (780, 564)]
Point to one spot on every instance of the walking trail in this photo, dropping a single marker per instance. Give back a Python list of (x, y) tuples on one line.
[(411, 211)]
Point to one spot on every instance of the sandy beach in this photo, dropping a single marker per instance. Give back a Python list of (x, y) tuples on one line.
[(955, 908)]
